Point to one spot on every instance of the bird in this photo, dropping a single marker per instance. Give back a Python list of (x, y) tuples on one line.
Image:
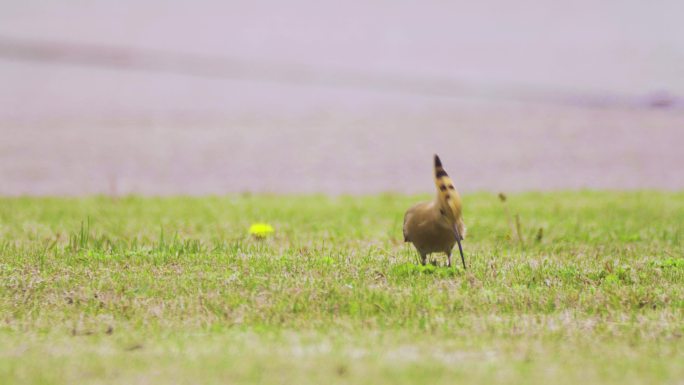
[(435, 226)]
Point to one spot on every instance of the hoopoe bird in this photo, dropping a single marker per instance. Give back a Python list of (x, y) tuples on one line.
[(435, 226)]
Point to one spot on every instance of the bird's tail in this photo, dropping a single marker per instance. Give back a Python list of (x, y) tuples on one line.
[(448, 196)]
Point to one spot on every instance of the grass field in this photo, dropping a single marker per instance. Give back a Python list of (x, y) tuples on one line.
[(173, 290)]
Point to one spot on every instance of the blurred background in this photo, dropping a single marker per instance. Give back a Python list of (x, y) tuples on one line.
[(304, 96)]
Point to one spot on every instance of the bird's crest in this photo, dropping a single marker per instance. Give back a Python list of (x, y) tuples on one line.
[(448, 197)]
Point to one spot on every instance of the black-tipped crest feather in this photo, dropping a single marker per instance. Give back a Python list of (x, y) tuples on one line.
[(449, 199)]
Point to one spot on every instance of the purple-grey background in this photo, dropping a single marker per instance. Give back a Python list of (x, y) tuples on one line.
[(344, 96)]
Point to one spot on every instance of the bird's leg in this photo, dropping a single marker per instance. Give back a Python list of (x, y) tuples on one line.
[(448, 258), (423, 259)]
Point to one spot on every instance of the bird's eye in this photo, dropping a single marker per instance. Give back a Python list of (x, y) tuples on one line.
[(441, 211)]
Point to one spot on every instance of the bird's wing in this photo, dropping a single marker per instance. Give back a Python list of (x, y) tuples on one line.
[(405, 230)]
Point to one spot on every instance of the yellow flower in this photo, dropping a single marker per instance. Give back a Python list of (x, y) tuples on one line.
[(260, 230)]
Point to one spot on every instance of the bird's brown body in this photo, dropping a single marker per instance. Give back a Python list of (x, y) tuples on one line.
[(436, 226)]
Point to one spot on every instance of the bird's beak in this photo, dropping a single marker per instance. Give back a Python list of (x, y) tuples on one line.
[(460, 248)]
